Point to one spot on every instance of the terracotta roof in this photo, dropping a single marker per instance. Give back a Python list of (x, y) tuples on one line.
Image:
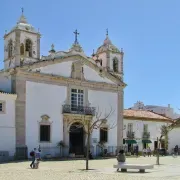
[(142, 114)]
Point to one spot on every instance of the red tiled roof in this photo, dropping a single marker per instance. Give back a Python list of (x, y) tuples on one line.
[(130, 113)]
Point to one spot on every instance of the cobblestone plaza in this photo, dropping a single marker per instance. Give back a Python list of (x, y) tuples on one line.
[(100, 169)]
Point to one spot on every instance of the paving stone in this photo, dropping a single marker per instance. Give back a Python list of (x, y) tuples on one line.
[(101, 169)]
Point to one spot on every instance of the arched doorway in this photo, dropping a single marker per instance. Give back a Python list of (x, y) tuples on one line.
[(76, 139)]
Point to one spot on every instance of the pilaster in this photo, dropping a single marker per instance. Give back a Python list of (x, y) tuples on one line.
[(19, 87), (120, 117)]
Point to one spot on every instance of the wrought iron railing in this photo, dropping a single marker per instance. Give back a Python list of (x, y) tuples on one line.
[(79, 110), (146, 135), (130, 135)]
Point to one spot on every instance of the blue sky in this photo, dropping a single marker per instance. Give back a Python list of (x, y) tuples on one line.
[(147, 30)]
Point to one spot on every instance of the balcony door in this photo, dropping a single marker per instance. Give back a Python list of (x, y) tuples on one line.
[(130, 127), (77, 99)]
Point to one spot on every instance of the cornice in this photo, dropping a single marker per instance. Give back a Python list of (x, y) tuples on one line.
[(9, 95)]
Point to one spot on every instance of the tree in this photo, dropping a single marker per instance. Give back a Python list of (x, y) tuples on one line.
[(98, 122), (165, 129)]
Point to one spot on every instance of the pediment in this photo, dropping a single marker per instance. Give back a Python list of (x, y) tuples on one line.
[(63, 67), (45, 117)]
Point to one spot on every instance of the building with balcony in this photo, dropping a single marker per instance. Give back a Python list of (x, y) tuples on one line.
[(61, 91), (142, 128)]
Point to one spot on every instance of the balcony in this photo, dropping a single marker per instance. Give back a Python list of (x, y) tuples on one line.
[(79, 110), (130, 135), (146, 135)]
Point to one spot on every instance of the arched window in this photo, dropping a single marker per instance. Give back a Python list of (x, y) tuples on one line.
[(10, 48), (29, 47), (22, 49), (115, 65)]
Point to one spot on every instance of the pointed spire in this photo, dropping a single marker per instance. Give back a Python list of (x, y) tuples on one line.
[(52, 49), (22, 18), (107, 41), (106, 32), (93, 54)]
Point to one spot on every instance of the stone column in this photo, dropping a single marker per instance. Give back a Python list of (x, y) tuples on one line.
[(120, 117)]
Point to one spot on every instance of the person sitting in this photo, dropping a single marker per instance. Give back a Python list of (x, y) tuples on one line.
[(121, 158)]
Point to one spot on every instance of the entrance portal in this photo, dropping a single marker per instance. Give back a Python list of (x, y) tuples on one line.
[(76, 139)]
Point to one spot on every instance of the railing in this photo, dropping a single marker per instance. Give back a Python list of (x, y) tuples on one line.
[(79, 110), (130, 135), (146, 135)]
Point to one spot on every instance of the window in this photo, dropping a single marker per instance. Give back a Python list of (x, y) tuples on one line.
[(103, 135), (115, 65), (2, 107), (10, 48), (22, 49), (145, 128), (29, 47), (45, 133), (77, 99), (130, 127)]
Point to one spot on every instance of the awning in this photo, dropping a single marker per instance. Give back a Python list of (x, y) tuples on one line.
[(128, 141), (146, 141)]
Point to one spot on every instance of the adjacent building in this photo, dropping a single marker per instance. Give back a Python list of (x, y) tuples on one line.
[(163, 110), (142, 128), (7, 125)]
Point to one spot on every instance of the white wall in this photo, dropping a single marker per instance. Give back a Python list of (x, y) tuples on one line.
[(153, 128), (104, 59), (92, 75), (174, 139), (61, 69), (7, 124), (105, 101), (44, 99)]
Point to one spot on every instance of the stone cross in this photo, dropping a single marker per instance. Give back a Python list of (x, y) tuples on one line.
[(76, 34)]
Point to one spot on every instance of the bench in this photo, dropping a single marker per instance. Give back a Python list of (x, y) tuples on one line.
[(141, 167)]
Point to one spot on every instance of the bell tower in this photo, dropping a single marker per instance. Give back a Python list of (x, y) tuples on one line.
[(21, 44), (110, 56)]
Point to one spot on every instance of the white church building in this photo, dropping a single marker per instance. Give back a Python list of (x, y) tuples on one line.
[(43, 98)]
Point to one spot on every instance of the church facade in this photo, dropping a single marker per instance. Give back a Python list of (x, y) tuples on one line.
[(62, 90)]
